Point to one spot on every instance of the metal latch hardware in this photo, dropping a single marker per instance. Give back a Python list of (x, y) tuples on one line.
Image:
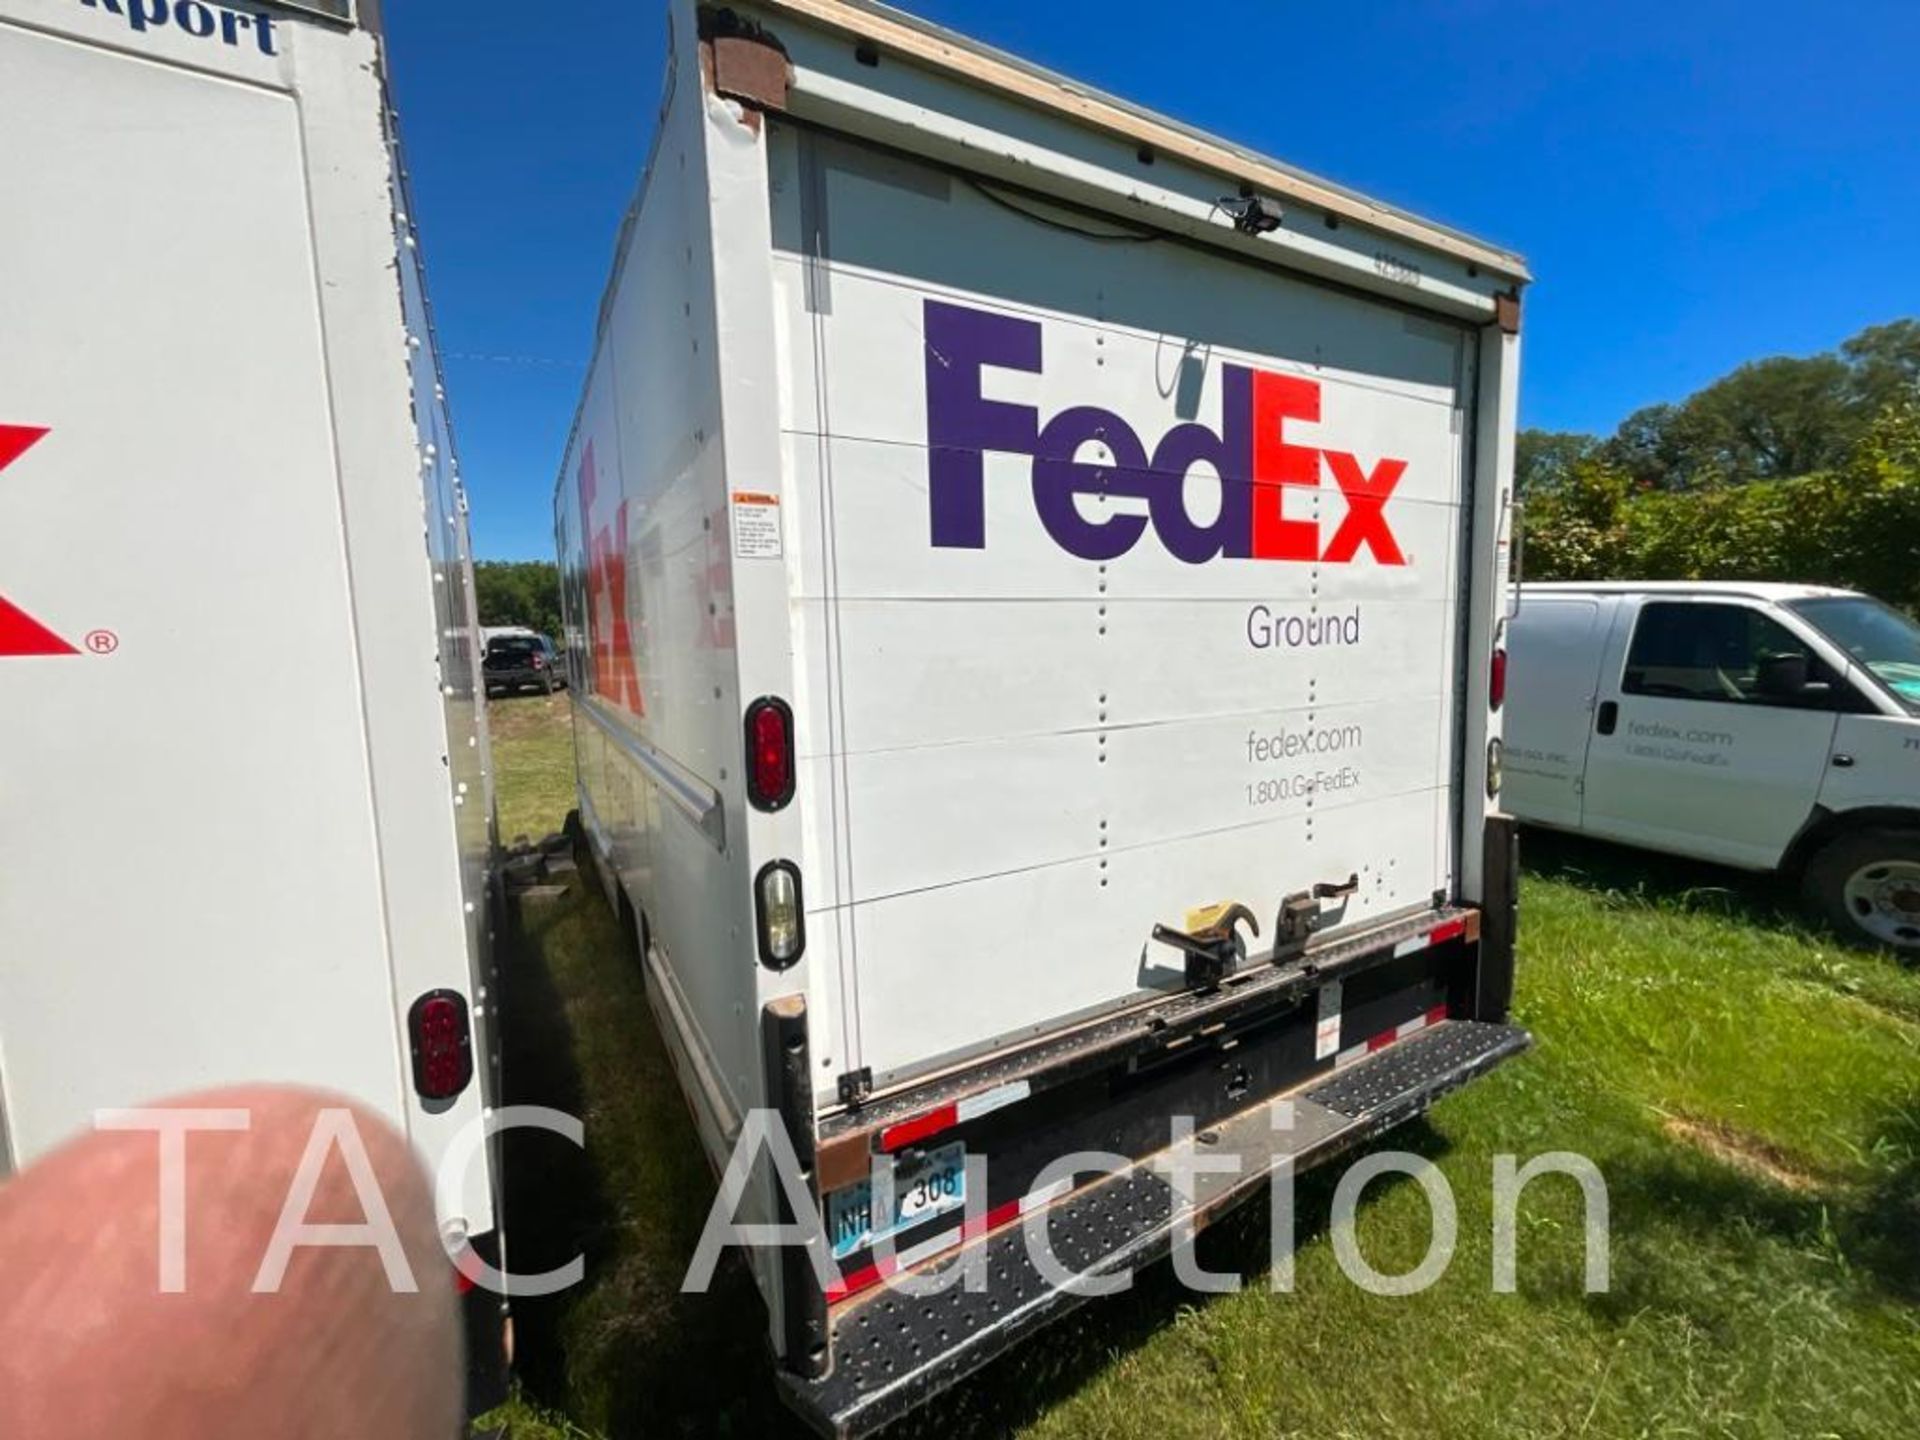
[(1214, 949), (1303, 913), (856, 1086)]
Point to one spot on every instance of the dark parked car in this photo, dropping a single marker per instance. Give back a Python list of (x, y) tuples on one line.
[(523, 662)]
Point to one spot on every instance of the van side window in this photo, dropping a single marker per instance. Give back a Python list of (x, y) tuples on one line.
[(1727, 654)]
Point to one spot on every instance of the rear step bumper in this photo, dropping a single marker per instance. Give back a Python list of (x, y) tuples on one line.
[(891, 1351)]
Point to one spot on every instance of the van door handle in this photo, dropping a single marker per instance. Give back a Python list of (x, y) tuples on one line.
[(1843, 762), (1609, 716)]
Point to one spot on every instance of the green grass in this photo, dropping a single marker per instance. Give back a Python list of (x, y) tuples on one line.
[(625, 1354), (532, 737), (1750, 1091)]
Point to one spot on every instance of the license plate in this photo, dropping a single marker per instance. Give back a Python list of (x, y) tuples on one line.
[(923, 1190)]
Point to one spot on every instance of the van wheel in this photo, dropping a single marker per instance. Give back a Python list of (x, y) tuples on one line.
[(1869, 886)]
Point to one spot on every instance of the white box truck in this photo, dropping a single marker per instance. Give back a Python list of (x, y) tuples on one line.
[(1011, 540), (245, 815), (1766, 726)]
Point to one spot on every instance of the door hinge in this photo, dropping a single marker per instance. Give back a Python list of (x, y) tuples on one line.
[(856, 1086)]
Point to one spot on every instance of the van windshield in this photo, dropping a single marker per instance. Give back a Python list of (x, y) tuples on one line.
[(1877, 636)]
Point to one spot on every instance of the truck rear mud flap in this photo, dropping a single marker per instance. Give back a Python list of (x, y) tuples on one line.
[(892, 1351)]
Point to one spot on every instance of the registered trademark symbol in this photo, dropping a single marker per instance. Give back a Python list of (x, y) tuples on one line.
[(102, 642)]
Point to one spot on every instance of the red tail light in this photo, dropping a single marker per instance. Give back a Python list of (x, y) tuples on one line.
[(769, 753), (1497, 681), (442, 1041)]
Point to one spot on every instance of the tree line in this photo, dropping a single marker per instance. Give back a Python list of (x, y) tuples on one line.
[(1789, 468), (519, 592)]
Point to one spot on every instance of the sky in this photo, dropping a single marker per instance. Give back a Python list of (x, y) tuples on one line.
[(1695, 183)]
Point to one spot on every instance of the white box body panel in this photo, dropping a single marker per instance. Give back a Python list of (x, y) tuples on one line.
[(1052, 734), (245, 820)]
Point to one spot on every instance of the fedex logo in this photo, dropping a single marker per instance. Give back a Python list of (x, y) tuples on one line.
[(609, 635), (1261, 472)]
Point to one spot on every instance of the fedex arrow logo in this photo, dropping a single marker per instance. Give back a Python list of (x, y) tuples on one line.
[(20, 633)]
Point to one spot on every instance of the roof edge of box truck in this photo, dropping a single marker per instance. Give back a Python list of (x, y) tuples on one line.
[(913, 38)]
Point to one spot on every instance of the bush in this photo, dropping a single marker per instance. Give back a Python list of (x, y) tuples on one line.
[(1852, 526)]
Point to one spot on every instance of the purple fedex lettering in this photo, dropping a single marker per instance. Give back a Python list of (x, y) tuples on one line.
[(1230, 453), (961, 423), (1059, 475)]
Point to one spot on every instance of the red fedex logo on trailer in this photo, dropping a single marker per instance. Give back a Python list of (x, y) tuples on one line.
[(614, 674), (1257, 466), (20, 633)]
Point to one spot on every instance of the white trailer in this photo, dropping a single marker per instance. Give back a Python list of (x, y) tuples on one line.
[(1003, 531), (245, 813)]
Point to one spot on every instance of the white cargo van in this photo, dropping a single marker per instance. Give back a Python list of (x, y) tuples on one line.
[(1003, 531), (245, 818), (1772, 727)]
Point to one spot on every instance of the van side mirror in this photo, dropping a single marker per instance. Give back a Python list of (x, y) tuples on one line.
[(1783, 677), (1787, 679)]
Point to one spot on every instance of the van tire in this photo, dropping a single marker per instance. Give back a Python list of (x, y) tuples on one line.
[(1843, 877)]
